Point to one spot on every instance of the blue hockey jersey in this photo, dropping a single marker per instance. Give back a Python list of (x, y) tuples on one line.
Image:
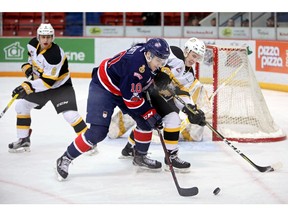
[(127, 75)]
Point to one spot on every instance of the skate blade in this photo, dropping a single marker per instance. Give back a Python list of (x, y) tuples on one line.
[(19, 150), (58, 176), (125, 157), (129, 157), (177, 170), (140, 169), (147, 170)]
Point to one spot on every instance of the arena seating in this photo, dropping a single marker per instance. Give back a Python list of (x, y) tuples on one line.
[(71, 23), (26, 23)]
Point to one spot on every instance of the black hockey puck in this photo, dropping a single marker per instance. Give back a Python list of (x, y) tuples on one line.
[(216, 191)]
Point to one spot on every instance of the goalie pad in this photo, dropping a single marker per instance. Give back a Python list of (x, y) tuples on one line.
[(120, 124), (191, 132), (199, 96)]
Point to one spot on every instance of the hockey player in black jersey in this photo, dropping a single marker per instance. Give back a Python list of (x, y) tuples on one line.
[(178, 76), (49, 80)]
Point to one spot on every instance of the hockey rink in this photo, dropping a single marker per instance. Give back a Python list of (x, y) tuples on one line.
[(29, 178)]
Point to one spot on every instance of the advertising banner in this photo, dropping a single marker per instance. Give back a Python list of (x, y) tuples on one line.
[(144, 31), (77, 50), (263, 33), (13, 49), (282, 33), (104, 31), (200, 32), (272, 56), (234, 32)]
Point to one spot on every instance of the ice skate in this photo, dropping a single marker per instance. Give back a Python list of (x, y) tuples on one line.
[(142, 161), (62, 165), (127, 152), (178, 164), (21, 145)]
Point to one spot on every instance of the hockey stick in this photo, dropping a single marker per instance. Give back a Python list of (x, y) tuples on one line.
[(182, 191), (259, 168), (11, 101), (9, 104)]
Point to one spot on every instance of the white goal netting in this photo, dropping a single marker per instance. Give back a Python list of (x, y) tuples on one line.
[(239, 111)]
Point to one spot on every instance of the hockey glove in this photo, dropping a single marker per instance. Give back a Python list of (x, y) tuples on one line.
[(23, 90), (27, 69), (195, 117), (162, 79), (178, 91), (153, 119)]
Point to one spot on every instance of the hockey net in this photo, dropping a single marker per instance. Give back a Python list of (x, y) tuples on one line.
[(239, 111)]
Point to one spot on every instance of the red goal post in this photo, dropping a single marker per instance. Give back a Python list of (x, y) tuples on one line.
[(239, 110)]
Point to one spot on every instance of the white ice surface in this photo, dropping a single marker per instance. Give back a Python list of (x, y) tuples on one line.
[(29, 178)]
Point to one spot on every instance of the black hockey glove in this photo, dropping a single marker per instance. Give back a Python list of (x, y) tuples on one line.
[(27, 69), (195, 117), (23, 90), (153, 119), (162, 79), (178, 91)]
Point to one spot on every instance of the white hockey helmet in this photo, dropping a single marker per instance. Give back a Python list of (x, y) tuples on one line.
[(195, 45), (45, 29)]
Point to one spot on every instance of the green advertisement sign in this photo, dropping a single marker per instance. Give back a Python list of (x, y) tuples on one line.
[(78, 50), (13, 49)]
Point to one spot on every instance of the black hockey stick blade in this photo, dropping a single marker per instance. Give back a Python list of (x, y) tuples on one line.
[(266, 169), (183, 191), (271, 168), (188, 191)]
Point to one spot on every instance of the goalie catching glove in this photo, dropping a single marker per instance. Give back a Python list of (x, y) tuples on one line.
[(23, 90), (195, 116)]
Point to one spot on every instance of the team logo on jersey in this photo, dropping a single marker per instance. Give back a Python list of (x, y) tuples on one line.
[(135, 97), (53, 72), (105, 114), (142, 69)]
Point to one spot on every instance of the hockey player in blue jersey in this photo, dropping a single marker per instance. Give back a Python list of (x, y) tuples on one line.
[(121, 81), (178, 76)]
